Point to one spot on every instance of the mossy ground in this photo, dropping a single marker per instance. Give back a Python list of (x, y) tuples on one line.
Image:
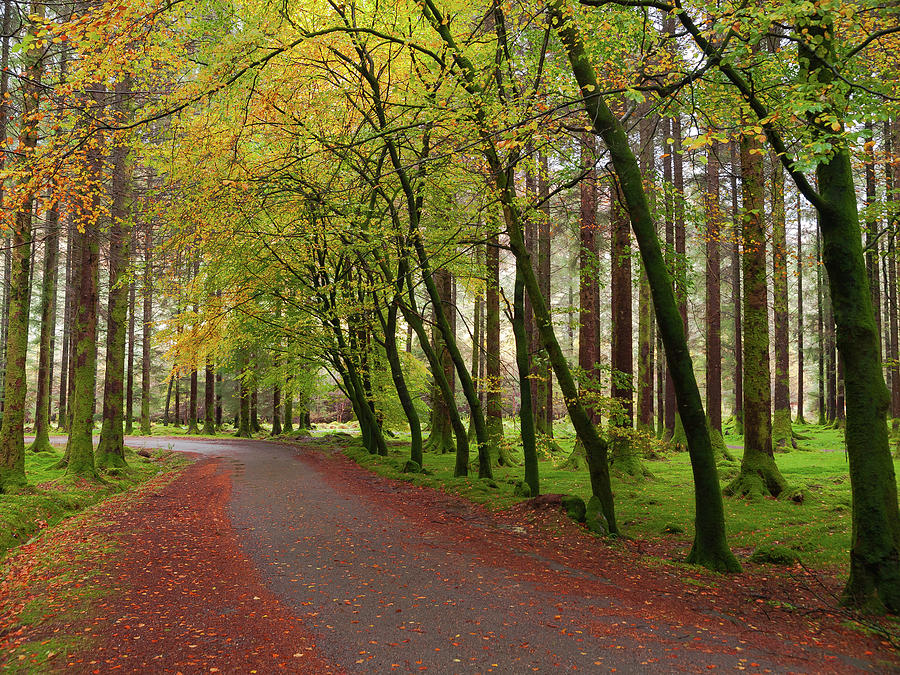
[(52, 496), (818, 529)]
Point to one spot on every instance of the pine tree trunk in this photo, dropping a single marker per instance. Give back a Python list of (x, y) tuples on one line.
[(440, 438), (645, 304), (820, 325), (892, 145), (782, 436), (62, 413), (48, 305), (543, 403), (111, 448), (759, 476), (493, 384), (669, 210), (209, 400), (147, 293), (800, 349), (129, 364), (713, 293), (736, 295), (622, 341), (12, 430)]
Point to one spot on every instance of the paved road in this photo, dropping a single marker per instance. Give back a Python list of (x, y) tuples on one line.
[(403, 589)]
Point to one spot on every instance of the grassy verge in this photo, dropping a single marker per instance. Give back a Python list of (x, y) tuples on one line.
[(661, 506), (48, 499), (56, 580)]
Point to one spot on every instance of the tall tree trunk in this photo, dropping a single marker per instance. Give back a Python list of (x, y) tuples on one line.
[(288, 424), (48, 322), (782, 436), (669, 210), (209, 399), (129, 363), (543, 403), (80, 449), (891, 146), (759, 476), (800, 356), (220, 381), (872, 257), (111, 449), (523, 363), (588, 295), (493, 384), (243, 399), (147, 293), (645, 305), (820, 325), (713, 293), (12, 431), (7, 238), (440, 438), (736, 295), (62, 413)]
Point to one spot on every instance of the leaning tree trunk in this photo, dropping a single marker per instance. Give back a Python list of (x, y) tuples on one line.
[(523, 364), (709, 548), (759, 476)]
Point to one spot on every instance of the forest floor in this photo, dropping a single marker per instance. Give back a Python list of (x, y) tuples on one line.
[(264, 556)]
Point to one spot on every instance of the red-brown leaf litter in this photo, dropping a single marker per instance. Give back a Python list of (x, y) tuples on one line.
[(184, 593)]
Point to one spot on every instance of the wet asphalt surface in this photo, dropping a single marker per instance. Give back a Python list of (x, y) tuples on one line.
[(382, 592)]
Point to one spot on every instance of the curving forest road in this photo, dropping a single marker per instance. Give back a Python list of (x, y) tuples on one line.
[(380, 576)]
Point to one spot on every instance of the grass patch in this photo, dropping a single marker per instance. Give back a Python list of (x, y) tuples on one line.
[(42, 656), (818, 530), (51, 496)]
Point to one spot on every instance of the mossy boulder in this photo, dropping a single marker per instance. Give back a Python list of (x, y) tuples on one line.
[(411, 466), (522, 489), (574, 507), (773, 554), (673, 528)]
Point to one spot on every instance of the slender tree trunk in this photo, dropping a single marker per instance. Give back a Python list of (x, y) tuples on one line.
[(493, 385), (526, 418), (892, 145), (440, 438), (713, 293), (543, 404), (177, 398), (409, 409), (645, 304), (820, 325), (129, 364), (620, 305), (736, 294), (62, 413), (588, 274), (288, 424), (872, 257), (782, 436), (759, 476), (48, 306), (669, 209), (800, 355), (220, 382), (147, 293), (830, 357), (209, 399), (244, 399)]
